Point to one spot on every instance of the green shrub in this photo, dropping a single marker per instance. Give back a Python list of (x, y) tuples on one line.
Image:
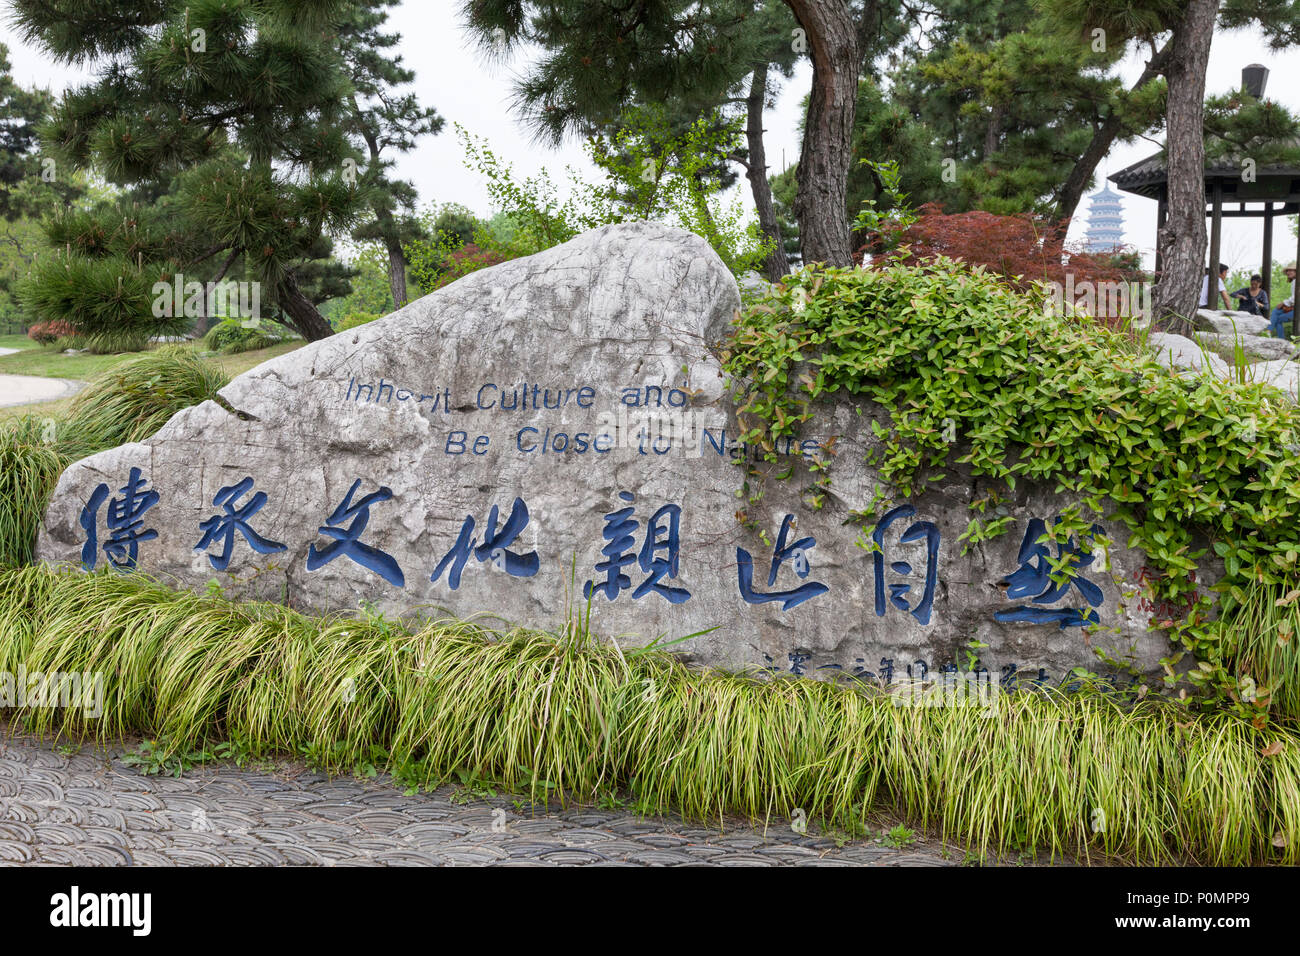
[(943, 349), (116, 341), (684, 191), (76, 342), (47, 333), (355, 319), (560, 716), (230, 336)]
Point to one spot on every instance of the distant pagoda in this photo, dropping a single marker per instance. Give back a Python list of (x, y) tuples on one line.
[(1105, 222)]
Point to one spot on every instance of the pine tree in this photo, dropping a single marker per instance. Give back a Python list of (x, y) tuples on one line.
[(886, 131), (1238, 124), (384, 121), (31, 186), (21, 111), (839, 39), (233, 113), (1014, 101)]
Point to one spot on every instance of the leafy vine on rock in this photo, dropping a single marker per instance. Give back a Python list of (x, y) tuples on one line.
[(947, 351)]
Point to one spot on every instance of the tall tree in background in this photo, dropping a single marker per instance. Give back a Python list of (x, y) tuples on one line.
[(885, 131), (385, 122), (1182, 239), (21, 112), (239, 110), (1124, 114), (29, 187), (838, 38), (1018, 103), (602, 58), (1017, 112)]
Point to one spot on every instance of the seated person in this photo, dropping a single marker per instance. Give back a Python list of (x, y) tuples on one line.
[(1223, 290), (1286, 311), (1253, 299)]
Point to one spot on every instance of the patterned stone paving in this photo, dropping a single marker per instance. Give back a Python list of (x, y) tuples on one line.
[(88, 808)]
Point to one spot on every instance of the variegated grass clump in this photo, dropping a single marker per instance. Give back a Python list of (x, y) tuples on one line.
[(1263, 636), (127, 403), (133, 400), (30, 465), (563, 716)]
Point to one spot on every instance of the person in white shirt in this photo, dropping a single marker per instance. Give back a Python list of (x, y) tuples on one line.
[(1223, 289), (1286, 310)]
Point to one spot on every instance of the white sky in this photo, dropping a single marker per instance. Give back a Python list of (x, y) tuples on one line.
[(455, 80)]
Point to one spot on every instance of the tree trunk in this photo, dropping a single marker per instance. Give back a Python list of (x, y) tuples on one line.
[(396, 257), (993, 132), (1182, 240), (777, 263), (303, 315), (821, 205)]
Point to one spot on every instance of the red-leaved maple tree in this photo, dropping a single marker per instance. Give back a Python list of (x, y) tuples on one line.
[(1018, 248)]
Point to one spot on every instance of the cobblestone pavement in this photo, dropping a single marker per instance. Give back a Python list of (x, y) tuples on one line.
[(91, 809)]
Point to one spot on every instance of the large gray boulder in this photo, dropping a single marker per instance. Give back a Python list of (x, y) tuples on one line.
[(557, 429), (1282, 374), (1177, 352)]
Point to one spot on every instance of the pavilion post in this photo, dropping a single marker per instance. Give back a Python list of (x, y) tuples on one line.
[(1216, 240), (1266, 270)]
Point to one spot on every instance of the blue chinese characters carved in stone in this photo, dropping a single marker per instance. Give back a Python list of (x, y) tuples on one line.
[(493, 549), (347, 540), (1033, 580), (926, 531), (797, 554), (124, 521), (236, 519), (658, 558)]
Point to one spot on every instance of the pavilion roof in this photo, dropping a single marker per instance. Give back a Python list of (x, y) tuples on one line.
[(1278, 181)]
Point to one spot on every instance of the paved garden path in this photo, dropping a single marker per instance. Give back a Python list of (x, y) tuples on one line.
[(89, 808), (29, 389)]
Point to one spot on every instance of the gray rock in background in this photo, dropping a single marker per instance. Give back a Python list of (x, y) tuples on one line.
[(1254, 346), (1230, 323), (754, 284), (409, 408), (1282, 374)]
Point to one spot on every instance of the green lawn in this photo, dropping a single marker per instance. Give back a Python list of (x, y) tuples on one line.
[(84, 366), (17, 341), (51, 364), (242, 362)]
